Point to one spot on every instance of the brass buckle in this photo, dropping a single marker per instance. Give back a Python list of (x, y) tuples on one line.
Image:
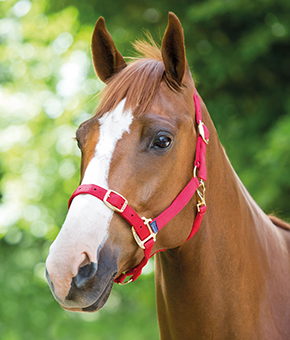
[(109, 205), (201, 131), (141, 243), (200, 191), (200, 195)]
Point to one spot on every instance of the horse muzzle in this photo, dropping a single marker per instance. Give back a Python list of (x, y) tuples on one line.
[(88, 290)]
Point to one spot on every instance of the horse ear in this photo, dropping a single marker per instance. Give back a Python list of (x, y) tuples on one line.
[(106, 58), (173, 50)]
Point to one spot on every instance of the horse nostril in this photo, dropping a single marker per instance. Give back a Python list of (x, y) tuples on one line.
[(79, 262), (85, 275), (86, 272), (84, 260)]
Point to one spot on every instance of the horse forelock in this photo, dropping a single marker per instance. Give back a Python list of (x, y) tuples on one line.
[(138, 82)]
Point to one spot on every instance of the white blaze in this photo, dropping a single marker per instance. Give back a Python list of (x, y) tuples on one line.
[(112, 126), (86, 226)]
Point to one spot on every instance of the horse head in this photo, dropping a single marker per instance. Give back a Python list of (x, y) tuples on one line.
[(140, 143)]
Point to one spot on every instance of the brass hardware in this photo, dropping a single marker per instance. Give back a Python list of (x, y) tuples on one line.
[(109, 205), (201, 131), (200, 191), (200, 195), (125, 283), (141, 243)]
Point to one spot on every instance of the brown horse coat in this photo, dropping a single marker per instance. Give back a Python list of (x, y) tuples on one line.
[(232, 279)]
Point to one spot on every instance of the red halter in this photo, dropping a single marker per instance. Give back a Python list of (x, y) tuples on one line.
[(145, 230)]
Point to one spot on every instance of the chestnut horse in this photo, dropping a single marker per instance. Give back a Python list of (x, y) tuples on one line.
[(147, 142)]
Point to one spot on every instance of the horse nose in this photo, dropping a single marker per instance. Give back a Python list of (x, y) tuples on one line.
[(84, 275), (84, 261), (80, 284), (64, 272)]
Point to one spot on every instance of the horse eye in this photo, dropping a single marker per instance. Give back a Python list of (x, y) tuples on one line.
[(162, 142)]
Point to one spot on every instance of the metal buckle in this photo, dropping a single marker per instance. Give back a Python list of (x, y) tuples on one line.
[(141, 243), (201, 131), (200, 191), (200, 195), (109, 205)]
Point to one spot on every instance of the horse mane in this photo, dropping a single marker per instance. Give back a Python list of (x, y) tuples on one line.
[(138, 82)]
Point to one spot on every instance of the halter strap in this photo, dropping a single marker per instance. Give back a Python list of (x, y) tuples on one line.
[(144, 230)]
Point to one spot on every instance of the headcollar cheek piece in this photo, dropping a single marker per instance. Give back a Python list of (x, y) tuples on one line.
[(145, 230)]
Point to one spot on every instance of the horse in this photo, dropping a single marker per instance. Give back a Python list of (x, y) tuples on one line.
[(222, 268)]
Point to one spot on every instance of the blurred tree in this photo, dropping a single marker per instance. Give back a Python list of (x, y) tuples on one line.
[(239, 54), (47, 90)]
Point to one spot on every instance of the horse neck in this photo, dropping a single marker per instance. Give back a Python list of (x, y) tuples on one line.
[(218, 274)]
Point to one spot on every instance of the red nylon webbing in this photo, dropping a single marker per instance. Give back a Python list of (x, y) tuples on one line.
[(120, 205), (178, 204)]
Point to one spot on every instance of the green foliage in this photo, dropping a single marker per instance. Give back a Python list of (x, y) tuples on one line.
[(239, 53), (28, 310), (47, 89)]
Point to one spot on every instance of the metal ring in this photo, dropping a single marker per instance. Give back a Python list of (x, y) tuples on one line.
[(125, 283), (194, 171)]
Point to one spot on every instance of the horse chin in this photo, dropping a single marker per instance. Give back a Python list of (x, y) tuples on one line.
[(98, 304), (101, 301)]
